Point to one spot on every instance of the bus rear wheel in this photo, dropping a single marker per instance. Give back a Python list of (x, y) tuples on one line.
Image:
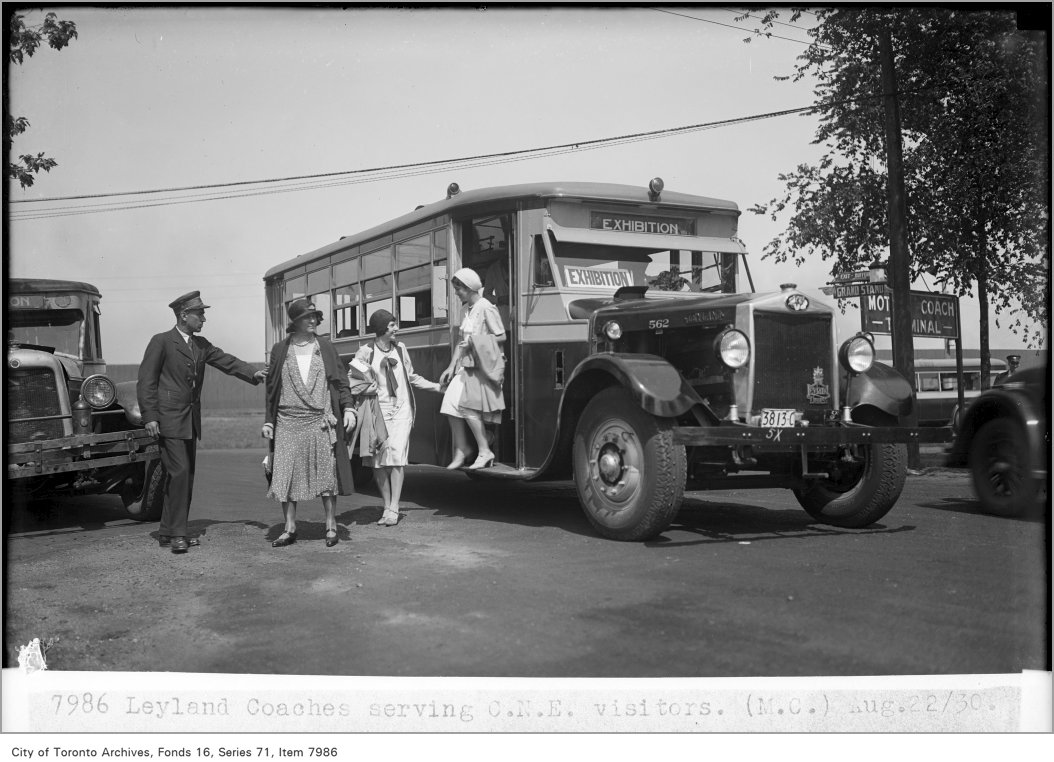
[(628, 472)]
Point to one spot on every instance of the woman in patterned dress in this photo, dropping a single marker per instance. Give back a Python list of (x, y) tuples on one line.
[(385, 364), (307, 399), (484, 402)]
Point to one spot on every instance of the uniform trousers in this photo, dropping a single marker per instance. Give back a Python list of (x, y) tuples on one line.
[(177, 456)]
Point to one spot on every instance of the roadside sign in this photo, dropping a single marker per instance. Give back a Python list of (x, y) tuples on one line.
[(932, 315), (859, 275), (853, 290)]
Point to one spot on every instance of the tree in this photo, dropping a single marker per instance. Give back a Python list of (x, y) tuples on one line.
[(24, 41), (972, 90)]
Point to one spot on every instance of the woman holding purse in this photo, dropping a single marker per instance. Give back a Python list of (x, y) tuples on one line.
[(307, 400), (473, 398)]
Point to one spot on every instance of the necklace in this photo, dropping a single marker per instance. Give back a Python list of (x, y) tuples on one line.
[(303, 343), (386, 351)]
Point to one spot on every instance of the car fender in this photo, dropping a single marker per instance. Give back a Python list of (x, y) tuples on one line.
[(1003, 402), (129, 402)]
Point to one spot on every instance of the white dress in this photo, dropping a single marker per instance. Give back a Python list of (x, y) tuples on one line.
[(397, 411), (482, 317)]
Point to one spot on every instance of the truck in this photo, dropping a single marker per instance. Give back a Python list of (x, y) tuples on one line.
[(71, 430)]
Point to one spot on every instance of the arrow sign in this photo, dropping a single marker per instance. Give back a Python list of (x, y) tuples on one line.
[(853, 290)]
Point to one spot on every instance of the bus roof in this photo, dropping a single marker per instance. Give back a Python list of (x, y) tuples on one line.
[(612, 192), (45, 285)]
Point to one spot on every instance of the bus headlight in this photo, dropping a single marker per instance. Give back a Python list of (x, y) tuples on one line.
[(857, 355), (733, 347), (612, 330), (98, 391)]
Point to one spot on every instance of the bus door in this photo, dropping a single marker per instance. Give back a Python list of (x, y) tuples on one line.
[(486, 244)]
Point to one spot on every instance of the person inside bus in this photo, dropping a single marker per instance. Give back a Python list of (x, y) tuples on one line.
[(383, 367), (473, 397), (307, 398), (1012, 363)]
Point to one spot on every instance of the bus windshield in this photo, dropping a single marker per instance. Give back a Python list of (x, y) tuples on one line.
[(59, 329), (588, 265)]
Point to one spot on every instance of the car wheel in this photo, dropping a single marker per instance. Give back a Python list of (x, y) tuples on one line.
[(999, 464)]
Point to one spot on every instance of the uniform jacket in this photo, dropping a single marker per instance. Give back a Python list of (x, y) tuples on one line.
[(170, 379), (340, 399)]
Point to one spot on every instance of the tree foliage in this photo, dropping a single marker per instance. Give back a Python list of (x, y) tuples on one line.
[(23, 43), (972, 91)]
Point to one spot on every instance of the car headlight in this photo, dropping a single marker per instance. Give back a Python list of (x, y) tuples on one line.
[(857, 355), (98, 391), (733, 347), (612, 330)]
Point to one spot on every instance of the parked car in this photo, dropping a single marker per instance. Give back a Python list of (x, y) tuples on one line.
[(1004, 438), (70, 429)]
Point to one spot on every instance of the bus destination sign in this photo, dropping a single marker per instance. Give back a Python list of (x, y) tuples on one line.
[(637, 223), (585, 276)]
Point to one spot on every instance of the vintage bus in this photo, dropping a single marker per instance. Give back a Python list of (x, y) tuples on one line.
[(639, 358), (937, 386), (71, 430)]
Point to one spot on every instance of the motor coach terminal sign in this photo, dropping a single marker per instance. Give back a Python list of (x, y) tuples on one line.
[(635, 223), (932, 315)]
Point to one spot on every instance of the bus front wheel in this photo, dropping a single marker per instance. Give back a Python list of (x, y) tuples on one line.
[(628, 472)]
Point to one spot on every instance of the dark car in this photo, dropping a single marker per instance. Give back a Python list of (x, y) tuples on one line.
[(1004, 437)]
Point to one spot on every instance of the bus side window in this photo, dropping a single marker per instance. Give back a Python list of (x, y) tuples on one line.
[(929, 382), (542, 272)]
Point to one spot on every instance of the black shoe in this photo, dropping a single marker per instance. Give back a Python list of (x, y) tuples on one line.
[(179, 544), (164, 541), (331, 541), (288, 539)]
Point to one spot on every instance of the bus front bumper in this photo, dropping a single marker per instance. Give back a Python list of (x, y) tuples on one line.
[(733, 435)]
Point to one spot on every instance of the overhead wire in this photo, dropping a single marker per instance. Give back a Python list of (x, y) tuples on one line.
[(352, 177)]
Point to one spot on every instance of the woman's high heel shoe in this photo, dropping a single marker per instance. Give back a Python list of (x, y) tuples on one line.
[(389, 519), (287, 538), (484, 459), (457, 462), (331, 540)]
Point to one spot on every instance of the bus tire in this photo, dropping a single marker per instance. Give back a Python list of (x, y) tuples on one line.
[(862, 495), (628, 472), (152, 501), (999, 465)]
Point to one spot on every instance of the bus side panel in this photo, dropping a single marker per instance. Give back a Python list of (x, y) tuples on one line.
[(542, 389)]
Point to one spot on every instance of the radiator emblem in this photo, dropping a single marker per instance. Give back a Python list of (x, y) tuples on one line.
[(818, 393)]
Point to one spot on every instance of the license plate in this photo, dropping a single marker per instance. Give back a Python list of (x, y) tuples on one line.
[(777, 418)]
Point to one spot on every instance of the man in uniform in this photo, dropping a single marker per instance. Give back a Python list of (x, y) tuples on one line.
[(1012, 361), (169, 393)]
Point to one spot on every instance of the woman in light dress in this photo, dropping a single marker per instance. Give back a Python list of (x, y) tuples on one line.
[(473, 398), (384, 367)]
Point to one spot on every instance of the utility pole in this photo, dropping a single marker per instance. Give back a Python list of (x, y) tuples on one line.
[(899, 262)]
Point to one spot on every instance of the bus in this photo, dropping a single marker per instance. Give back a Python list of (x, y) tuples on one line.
[(639, 358), (72, 430), (937, 386)]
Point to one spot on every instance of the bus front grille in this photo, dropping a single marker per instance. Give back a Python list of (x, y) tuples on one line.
[(791, 351)]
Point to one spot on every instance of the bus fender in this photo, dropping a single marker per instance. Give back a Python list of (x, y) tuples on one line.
[(653, 383), (879, 396)]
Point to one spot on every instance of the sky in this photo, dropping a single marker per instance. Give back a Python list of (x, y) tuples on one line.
[(168, 97)]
